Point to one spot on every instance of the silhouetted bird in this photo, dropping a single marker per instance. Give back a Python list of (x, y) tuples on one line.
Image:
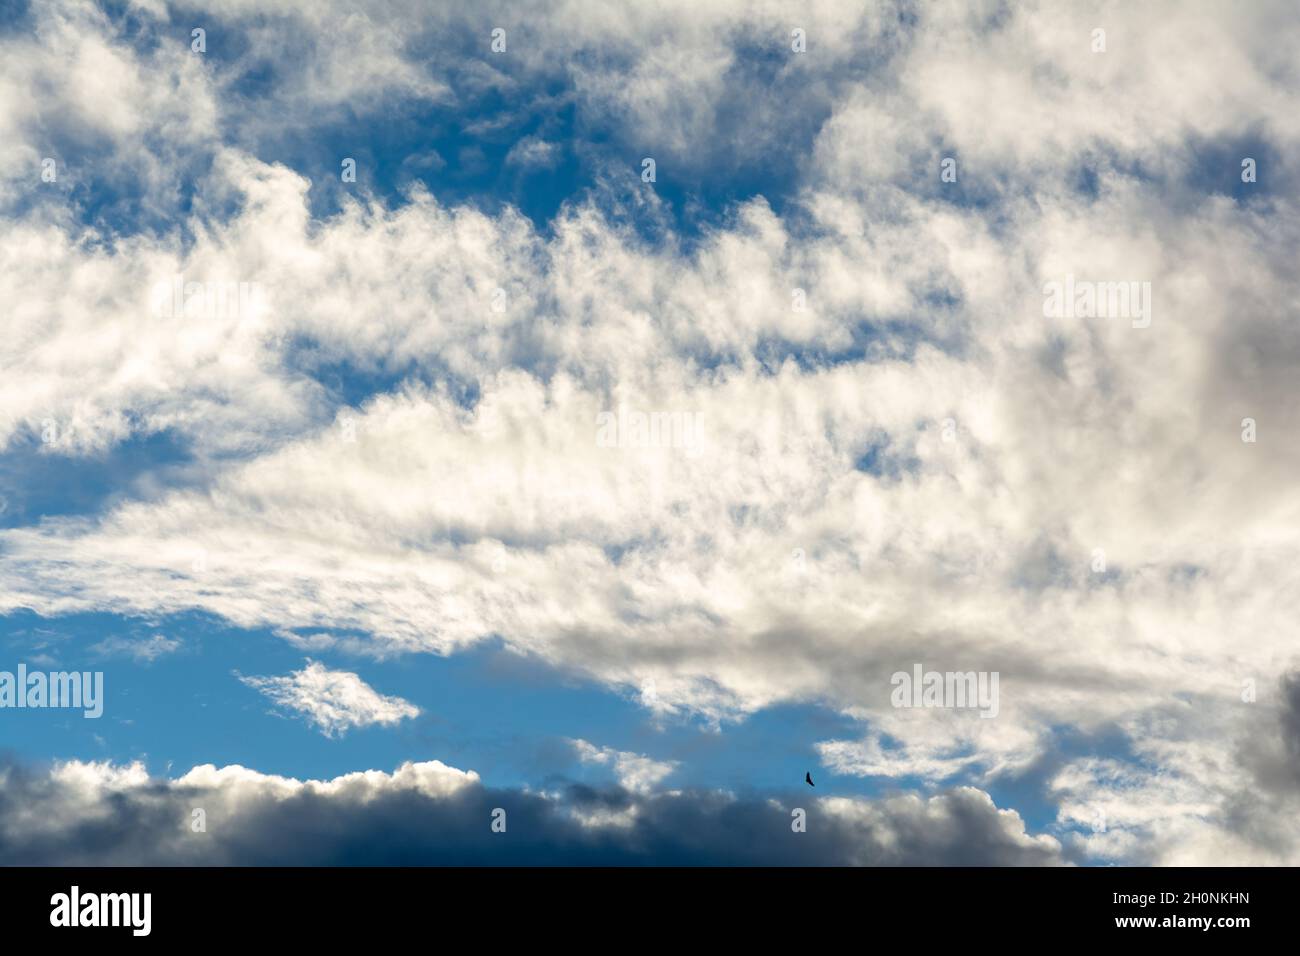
[(808, 778)]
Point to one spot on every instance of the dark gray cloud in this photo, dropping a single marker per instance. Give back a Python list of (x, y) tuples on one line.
[(85, 814), (1291, 719)]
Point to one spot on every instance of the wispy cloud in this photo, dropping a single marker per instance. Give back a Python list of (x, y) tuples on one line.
[(334, 701), (146, 650)]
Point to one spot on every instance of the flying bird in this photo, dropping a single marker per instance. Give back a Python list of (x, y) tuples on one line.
[(808, 779)]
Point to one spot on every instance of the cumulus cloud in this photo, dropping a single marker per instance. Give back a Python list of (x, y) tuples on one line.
[(429, 813), (334, 701)]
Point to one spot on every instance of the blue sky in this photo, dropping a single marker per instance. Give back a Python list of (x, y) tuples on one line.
[(509, 717), (512, 719), (368, 521)]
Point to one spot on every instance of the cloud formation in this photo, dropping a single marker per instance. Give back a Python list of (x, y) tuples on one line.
[(429, 813), (900, 458), (334, 701), (635, 772), (147, 650)]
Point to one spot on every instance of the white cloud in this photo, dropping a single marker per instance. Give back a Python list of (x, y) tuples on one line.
[(334, 701), (431, 778), (147, 650), (636, 772), (531, 151), (898, 819)]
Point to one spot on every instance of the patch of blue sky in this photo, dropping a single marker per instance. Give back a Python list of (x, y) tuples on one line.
[(135, 25), (352, 382), (466, 148), (412, 142), (879, 459), (15, 17), (37, 482), (508, 717), (866, 340), (1217, 168)]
